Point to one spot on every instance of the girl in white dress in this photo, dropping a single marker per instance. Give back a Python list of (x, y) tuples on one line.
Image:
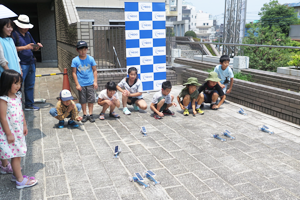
[(13, 128)]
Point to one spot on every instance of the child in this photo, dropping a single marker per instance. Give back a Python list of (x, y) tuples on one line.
[(225, 73), (190, 94), (162, 101), (132, 94), (66, 108), (211, 91), (109, 98), (13, 128), (85, 77)]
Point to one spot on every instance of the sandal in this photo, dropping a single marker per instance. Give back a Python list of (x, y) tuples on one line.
[(102, 116), (27, 182), (115, 115)]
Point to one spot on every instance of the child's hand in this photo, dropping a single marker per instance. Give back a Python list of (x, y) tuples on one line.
[(10, 138), (228, 91), (161, 114), (95, 85), (126, 93), (70, 107), (194, 112), (109, 102), (215, 106), (181, 106), (78, 118), (222, 86), (78, 87), (25, 130), (174, 104)]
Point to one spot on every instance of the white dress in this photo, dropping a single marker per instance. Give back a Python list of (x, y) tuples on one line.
[(15, 119)]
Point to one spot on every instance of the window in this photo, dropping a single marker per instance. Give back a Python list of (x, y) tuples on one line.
[(207, 24), (195, 24), (192, 16), (203, 24)]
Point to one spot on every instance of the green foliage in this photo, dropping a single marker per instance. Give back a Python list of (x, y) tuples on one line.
[(190, 34), (295, 61), (264, 58), (210, 49), (248, 25), (241, 76), (209, 70), (275, 14)]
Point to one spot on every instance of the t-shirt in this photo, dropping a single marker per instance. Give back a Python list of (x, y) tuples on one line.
[(135, 88), (26, 56), (223, 74), (10, 54), (185, 91), (209, 90), (158, 95), (84, 70), (103, 95)]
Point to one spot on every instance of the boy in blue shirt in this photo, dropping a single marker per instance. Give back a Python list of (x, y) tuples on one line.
[(225, 74), (85, 76)]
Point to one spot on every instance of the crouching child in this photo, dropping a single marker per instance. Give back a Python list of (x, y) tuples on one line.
[(109, 98), (66, 108), (162, 101), (211, 91), (190, 95)]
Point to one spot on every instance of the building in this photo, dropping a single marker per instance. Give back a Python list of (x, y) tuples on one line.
[(189, 13), (296, 6), (205, 25), (173, 10)]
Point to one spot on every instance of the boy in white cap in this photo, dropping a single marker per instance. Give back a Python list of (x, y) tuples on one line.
[(66, 108), (25, 44)]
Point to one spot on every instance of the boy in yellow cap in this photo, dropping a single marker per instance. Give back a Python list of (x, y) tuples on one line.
[(188, 95), (211, 91)]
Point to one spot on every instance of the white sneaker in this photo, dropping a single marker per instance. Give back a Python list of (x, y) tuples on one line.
[(126, 111)]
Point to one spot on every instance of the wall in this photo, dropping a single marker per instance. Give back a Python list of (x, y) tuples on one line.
[(107, 3), (47, 32), (101, 15), (270, 100)]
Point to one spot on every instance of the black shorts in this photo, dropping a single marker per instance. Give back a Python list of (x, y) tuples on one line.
[(87, 94), (133, 100)]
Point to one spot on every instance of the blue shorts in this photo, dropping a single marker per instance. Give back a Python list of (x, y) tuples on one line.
[(207, 97)]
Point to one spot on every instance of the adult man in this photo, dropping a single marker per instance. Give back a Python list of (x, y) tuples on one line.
[(25, 45)]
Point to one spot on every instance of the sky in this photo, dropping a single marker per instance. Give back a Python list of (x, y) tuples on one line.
[(216, 8)]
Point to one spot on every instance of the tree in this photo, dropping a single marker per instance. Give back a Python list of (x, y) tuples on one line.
[(190, 34), (275, 14), (265, 58)]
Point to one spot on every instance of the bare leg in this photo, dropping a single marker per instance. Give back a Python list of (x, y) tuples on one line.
[(90, 105), (186, 100), (83, 106), (160, 104), (4, 162), (112, 108), (124, 100), (105, 106), (141, 104), (214, 97), (200, 99), (15, 163)]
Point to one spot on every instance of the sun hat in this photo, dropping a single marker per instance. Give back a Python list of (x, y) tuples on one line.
[(23, 22), (213, 76), (65, 95), (81, 44), (6, 12), (192, 81)]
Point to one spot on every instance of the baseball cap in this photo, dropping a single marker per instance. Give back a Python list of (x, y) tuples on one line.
[(65, 95), (81, 44)]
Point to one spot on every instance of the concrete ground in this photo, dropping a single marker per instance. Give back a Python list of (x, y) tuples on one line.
[(78, 163)]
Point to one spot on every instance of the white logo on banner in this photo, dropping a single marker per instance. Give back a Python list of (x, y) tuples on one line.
[(133, 52), (145, 25), (145, 7), (159, 16), (158, 84), (132, 16), (159, 67), (146, 43), (134, 34), (147, 77), (159, 51), (146, 60), (159, 33)]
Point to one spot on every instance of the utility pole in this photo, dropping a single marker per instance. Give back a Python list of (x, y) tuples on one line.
[(234, 25)]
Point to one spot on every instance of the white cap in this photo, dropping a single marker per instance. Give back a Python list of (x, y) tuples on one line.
[(65, 95)]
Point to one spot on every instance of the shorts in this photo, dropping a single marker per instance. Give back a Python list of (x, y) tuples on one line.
[(225, 88), (164, 107), (87, 94), (208, 97), (133, 100)]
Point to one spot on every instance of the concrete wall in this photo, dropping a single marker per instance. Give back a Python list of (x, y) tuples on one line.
[(101, 16), (47, 32), (107, 3)]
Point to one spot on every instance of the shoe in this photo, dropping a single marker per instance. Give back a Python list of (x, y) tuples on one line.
[(168, 112), (27, 182), (156, 116), (91, 118), (31, 107), (73, 124), (136, 107), (61, 123), (115, 115), (186, 112), (84, 118), (6, 170), (201, 112), (126, 111)]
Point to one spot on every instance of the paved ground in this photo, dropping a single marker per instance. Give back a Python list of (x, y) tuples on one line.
[(79, 164)]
